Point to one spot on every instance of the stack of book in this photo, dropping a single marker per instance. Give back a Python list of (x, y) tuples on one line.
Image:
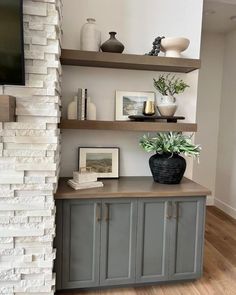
[(82, 97), (84, 180)]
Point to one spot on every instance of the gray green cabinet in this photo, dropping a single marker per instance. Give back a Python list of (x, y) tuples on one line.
[(118, 242), (104, 242), (186, 239), (80, 244), (152, 241)]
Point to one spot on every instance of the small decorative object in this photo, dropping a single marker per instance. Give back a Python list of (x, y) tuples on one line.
[(84, 175), (90, 36), (174, 46), (91, 110), (103, 161), (131, 103), (84, 179), (167, 166), (7, 108), (149, 108), (72, 110), (156, 48), (112, 44), (168, 86)]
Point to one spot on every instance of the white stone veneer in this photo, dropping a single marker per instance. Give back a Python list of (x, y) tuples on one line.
[(29, 159)]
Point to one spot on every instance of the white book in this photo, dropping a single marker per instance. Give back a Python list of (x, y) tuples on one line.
[(79, 186)]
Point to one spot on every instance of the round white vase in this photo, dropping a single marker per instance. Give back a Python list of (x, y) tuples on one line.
[(90, 36), (167, 106)]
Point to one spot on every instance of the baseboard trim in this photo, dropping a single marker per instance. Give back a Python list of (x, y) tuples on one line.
[(226, 208), (210, 201)]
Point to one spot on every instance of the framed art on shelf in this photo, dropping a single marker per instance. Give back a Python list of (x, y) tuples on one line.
[(131, 103), (102, 160)]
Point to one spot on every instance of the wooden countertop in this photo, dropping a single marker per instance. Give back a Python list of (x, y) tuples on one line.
[(132, 187)]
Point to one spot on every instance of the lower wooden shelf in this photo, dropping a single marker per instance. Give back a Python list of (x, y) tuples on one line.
[(127, 126)]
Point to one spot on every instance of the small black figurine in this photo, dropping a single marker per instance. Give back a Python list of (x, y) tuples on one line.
[(156, 48)]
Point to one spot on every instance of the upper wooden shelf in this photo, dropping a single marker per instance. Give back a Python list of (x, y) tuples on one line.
[(128, 61), (132, 187), (127, 126)]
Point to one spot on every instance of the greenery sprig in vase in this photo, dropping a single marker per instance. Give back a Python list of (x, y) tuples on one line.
[(167, 166), (169, 86)]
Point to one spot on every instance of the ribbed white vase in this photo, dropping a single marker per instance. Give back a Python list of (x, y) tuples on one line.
[(90, 36), (167, 106)]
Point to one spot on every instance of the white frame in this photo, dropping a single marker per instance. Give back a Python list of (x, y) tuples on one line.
[(119, 102), (115, 159)]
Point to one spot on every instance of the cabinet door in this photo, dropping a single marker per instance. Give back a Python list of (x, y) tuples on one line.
[(152, 240), (81, 241), (118, 242), (187, 238)]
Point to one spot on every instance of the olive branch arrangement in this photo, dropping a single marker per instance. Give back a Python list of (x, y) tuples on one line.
[(168, 85)]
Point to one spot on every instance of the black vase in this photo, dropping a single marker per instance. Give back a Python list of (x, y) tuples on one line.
[(167, 168), (112, 44)]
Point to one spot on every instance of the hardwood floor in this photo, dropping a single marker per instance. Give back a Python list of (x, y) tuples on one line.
[(219, 264)]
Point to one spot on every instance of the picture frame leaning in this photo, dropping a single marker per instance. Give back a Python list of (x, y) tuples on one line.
[(129, 103), (102, 160)]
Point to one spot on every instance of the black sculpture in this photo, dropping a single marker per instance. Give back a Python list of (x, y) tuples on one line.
[(156, 46)]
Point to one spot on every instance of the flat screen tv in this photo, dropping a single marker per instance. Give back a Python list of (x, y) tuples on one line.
[(11, 43)]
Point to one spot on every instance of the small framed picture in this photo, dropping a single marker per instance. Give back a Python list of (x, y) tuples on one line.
[(131, 103), (102, 160)]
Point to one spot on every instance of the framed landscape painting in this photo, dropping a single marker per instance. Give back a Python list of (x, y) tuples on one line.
[(131, 103), (104, 161)]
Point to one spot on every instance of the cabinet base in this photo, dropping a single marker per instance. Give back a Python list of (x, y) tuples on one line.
[(136, 285)]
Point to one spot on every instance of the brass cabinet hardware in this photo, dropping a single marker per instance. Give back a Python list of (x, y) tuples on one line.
[(98, 212), (176, 212), (106, 212), (169, 210)]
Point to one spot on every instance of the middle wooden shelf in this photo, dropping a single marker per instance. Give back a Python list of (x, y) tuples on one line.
[(127, 126)]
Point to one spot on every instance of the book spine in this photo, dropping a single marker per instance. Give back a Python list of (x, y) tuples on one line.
[(86, 104), (83, 105), (79, 104)]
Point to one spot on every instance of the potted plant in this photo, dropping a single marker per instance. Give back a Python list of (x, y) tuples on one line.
[(168, 86), (167, 166)]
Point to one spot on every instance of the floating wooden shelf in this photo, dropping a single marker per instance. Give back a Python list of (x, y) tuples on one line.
[(127, 126), (128, 61), (132, 187)]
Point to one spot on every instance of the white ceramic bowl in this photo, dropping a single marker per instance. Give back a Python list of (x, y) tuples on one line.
[(174, 46)]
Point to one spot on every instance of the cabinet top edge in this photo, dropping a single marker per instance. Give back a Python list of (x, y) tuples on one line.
[(132, 187)]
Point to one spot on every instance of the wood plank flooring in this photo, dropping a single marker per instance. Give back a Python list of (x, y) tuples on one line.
[(219, 264)]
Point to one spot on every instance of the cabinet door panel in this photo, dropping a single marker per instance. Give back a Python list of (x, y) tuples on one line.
[(118, 236), (81, 239), (187, 239), (152, 241)]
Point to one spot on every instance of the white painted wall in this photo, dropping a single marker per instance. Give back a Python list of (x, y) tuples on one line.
[(208, 108), (226, 165), (137, 23)]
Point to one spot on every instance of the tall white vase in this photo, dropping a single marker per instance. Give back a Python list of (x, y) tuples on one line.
[(91, 110), (72, 109), (167, 106), (90, 36)]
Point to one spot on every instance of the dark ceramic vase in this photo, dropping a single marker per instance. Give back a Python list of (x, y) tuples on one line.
[(112, 44), (167, 168)]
